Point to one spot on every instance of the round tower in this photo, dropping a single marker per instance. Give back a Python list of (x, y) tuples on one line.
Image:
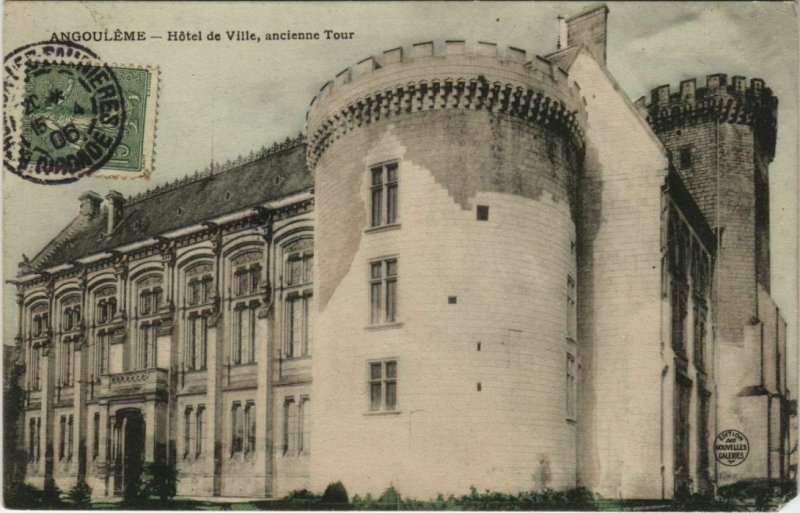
[(445, 273)]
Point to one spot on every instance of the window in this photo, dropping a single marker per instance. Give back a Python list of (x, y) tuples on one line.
[(199, 290), (69, 440), (383, 386), (304, 425), (38, 447), (482, 213), (383, 291), (383, 193), (571, 388), (39, 323), (96, 436), (289, 426), (299, 299), (31, 440), (102, 340), (187, 432), (62, 437), (699, 335), (702, 432), (237, 428), (106, 309), (250, 427), (246, 279), (243, 349), (196, 346), (678, 304), (685, 158), (145, 354), (71, 318), (35, 357), (66, 362), (150, 296), (572, 315), (201, 413)]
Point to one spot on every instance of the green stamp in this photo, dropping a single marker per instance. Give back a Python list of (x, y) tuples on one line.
[(84, 118), (136, 89)]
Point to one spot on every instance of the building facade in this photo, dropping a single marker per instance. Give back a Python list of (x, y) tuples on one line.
[(461, 275)]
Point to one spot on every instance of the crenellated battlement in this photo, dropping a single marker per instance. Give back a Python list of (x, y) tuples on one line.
[(723, 100), (447, 76)]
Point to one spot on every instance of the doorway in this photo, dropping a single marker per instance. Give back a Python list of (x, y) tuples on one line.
[(127, 449)]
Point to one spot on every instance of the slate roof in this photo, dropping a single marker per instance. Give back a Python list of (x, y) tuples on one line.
[(274, 175)]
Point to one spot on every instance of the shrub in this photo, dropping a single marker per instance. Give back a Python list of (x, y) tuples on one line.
[(160, 480), (51, 495), (335, 495), (81, 495), (22, 496)]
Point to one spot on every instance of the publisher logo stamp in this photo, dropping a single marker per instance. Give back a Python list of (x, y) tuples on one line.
[(731, 447)]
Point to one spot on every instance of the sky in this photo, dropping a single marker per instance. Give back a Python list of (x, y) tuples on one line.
[(219, 100)]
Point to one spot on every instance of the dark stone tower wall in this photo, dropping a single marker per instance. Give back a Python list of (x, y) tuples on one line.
[(721, 139)]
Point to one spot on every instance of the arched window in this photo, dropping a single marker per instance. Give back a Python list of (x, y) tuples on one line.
[(105, 310), (246, 278), (298, 299), (198, 300), (150, 296), (150, 293)]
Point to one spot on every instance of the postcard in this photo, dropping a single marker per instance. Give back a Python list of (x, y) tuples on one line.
[(388, 255)]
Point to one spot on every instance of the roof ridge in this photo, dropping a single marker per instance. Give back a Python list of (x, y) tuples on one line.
[(215, 168)]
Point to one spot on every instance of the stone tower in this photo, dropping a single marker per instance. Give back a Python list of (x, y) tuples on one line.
[(721, 139), (445, 245)]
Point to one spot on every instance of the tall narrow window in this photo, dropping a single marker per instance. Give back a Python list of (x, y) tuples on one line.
[(66, 362), (250, 427), (383, 194), (31, 439), (702, 433), (62, 438), (383, 291), (38, 448), (289, 426), (70, 439), (572, 388), (187, 432), (145, 351), (297, 305), (383, 385), (678, 303), (699, 335), (304, 426), (196, 345), (571, 309), (200, 435), (96, 436), (237, 427)]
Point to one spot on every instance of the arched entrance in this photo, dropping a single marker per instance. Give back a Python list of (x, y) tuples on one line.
[(127, 449)]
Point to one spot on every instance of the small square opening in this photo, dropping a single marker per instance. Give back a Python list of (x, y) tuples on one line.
[(451, 300), (483, 213)]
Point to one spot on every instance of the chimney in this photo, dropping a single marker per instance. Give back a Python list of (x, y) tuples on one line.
[(114, 201), (562, 33), (90, 204), (588, 27)]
